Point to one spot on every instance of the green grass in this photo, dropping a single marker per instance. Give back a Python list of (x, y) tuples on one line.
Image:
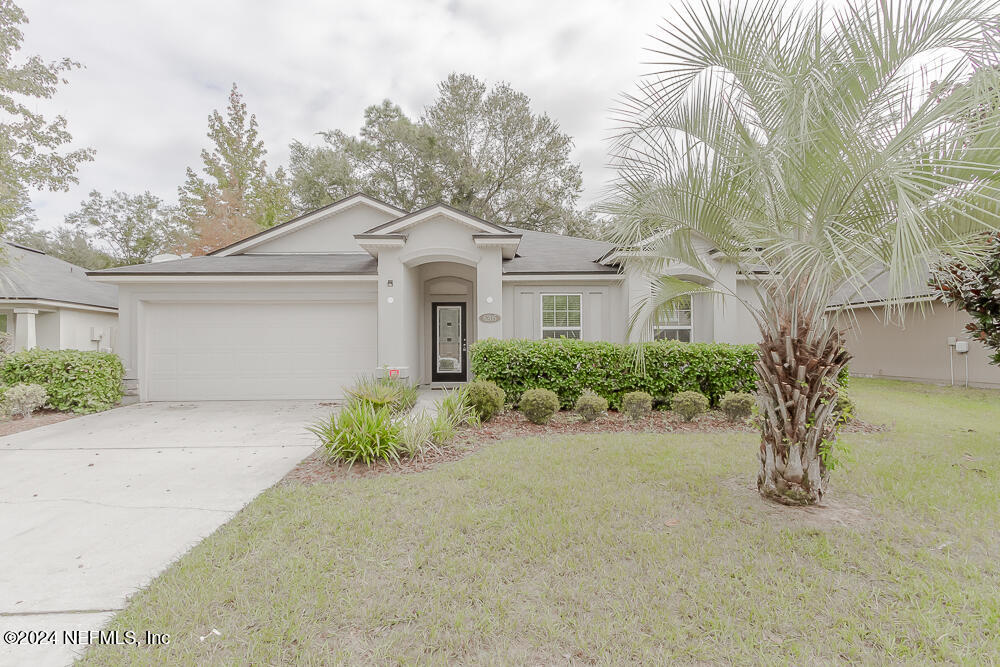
[(612, 548)]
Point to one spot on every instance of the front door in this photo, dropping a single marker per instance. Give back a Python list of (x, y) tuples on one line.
[(448, 339)]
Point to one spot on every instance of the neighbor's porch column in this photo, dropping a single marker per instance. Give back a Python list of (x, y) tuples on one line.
[(489, 293), (24, 329), (637, 290), (725, 320)]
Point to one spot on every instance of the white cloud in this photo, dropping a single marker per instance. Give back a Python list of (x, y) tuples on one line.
[(155, 70)]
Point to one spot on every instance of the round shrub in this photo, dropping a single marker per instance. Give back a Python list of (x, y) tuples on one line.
[(737, 405), (486, 398), (590, 406), (637, 405), (538, 405), (689, 404), (23, 399)]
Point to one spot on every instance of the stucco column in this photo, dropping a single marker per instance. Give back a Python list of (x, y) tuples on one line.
[(489, 293), (393, 331), (24, 329)]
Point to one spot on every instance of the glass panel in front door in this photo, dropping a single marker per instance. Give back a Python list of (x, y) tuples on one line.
[(449, 339)]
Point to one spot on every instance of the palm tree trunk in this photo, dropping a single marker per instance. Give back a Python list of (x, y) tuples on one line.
[(797, 394)]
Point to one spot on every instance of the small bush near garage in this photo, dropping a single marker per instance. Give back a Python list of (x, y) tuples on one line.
[(75, 380), (637, 405), (590, 406), (23, 399), (567, 367), (737, 405), (689, 404), (538, 405), (486, 398)]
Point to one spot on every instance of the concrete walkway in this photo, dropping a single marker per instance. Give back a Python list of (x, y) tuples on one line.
[(427, 400), (91, 509)]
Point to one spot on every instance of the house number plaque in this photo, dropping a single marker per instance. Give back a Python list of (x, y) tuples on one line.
[(489, 318)]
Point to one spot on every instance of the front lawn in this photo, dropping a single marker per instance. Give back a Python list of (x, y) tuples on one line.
[(612, 548)]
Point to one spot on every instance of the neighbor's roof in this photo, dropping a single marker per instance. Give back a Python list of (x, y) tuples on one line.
[(876, 292), (346, 263), (28, 274)]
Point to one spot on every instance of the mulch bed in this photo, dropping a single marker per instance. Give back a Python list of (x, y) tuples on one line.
[(512, 424), (11, 425)]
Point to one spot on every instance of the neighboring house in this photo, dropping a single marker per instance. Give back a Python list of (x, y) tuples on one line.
[(48, 303), (358, 287), (923, 343)]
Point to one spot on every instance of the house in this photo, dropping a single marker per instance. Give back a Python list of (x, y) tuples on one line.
[(926, 342), (359, 286), (48, 303)]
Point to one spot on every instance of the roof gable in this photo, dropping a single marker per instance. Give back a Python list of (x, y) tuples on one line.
[(327, 229), (434, 210)]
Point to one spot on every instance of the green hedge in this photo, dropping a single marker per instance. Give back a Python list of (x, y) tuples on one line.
[(567, 367), (77, 381)]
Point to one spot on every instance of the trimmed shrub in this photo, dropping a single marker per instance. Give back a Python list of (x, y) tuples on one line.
[(737, 405), (75, 380), (689, 404), (637, 405), (538, 405), (361, 432), (590, 406), (567, 367), (486, 398), (23, 399)]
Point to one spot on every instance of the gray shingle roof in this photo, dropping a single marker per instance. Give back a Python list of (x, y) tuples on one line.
[(538, 252), (31, 274), (541, 252), (277, 264)]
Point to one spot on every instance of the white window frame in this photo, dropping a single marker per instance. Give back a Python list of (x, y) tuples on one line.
[(541, 315), (678, 327)]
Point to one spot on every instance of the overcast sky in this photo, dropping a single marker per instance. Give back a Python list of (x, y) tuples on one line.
[(155, 70)]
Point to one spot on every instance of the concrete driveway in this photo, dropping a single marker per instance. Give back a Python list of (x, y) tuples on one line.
[(91, 509)]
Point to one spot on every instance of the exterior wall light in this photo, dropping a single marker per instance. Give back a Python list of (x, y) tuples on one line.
[(389, 300), (388, 283), (489, 299)]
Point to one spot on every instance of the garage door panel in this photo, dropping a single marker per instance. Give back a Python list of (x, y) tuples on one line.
[(232, 351)]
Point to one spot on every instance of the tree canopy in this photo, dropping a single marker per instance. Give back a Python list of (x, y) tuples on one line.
[(133, 227), (234, 194), (33, 149), (482, 150)]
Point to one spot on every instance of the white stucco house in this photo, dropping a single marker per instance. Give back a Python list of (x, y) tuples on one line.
[(358, 287), (51, 304)]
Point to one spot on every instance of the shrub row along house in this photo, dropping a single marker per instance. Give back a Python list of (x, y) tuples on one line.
[(302, 309)]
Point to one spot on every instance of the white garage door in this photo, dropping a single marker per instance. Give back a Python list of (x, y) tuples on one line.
[(237, 351)]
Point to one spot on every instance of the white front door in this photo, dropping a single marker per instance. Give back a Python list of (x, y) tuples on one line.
[(258, 351)]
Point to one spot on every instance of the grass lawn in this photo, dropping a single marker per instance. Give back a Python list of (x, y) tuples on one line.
[(609, 549)]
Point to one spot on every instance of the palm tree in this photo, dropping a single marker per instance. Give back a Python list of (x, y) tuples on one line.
[(811, 148)]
